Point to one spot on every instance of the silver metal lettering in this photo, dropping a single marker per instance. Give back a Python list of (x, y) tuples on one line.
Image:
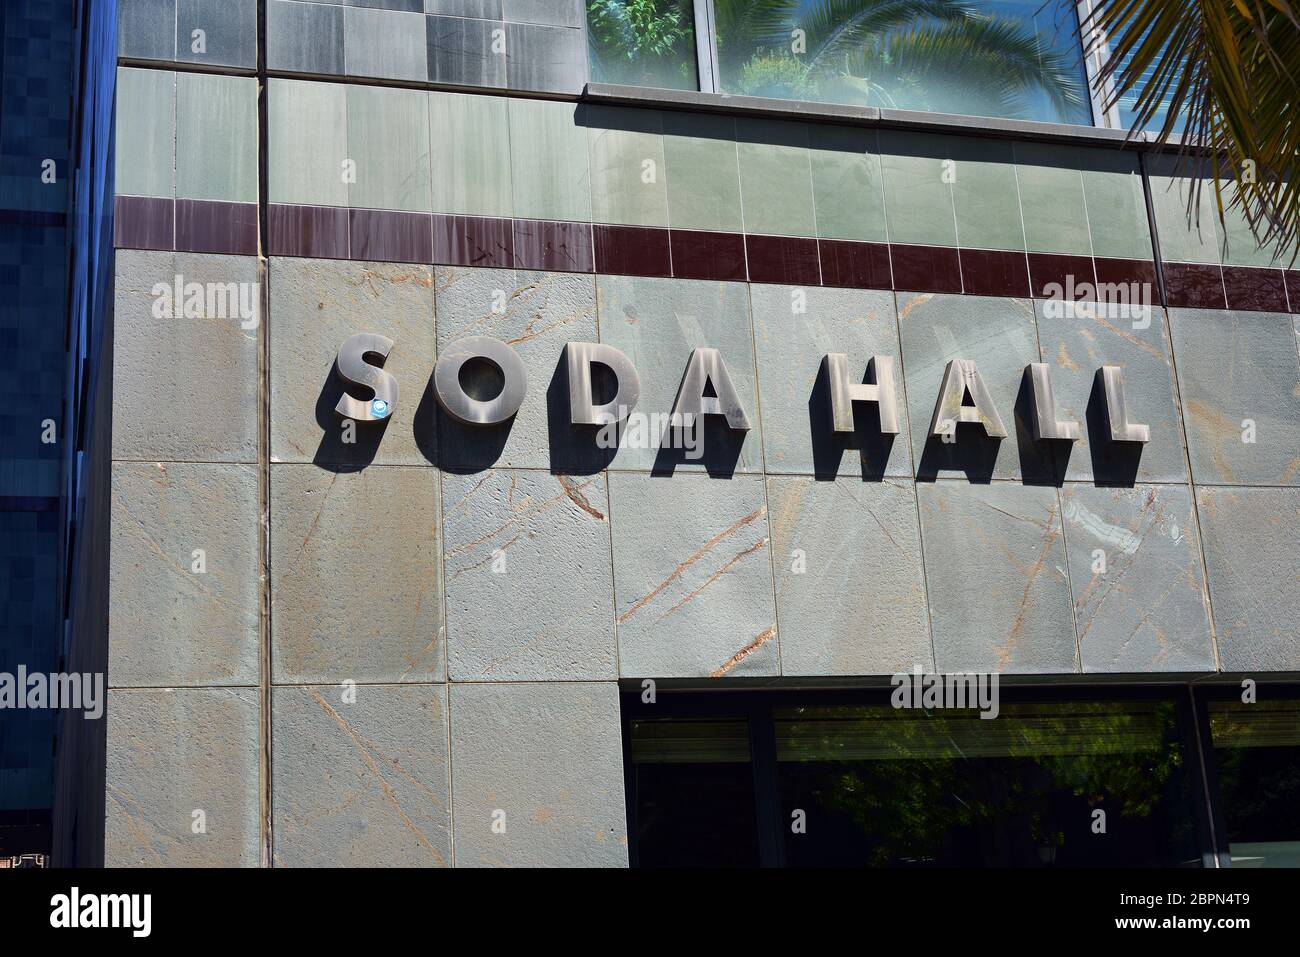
[(355, 370), (1121, 429), (962, 377), (704, 368), (582, 410), (845, 392), (465, 408), (1044, 423)]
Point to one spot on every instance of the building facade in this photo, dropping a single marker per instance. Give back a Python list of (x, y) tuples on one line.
[(432, 615), (37, 56)]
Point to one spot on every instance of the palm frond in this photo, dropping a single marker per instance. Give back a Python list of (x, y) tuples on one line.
[(755, 22), (836, 27), (1227, 75), (986, 56)]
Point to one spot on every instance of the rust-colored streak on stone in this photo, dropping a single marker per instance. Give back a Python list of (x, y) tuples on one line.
[(1134, 340), (481, 562), (912, 304), (137, 831), (1161, 640), (183, 572), (575, 494), (1004, 649), (422, 656), (884, 530), (1221, 430), (518, 297), (370, 276), (311, 530), (545, 635), (1115, 580), (446, 277), (788, 516), (363, 748), (524, 510), (1019, 518), (470, 494), (532, 331), (695, 556), (762, 639), (1063, 359), (743, 553)]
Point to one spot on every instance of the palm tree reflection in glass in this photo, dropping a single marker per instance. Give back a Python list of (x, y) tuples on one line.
[(1005, 58)]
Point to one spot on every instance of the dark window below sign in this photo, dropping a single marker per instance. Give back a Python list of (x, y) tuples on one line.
[(695, 793), (845, 780), (1257, 753)]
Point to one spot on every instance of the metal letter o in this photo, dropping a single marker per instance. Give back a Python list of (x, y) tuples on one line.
[(464, 408)]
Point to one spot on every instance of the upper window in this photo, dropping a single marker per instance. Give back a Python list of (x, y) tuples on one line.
[(643, 43), (1006, 58), (1126, 105)]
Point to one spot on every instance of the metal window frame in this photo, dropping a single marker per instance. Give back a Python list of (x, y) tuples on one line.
[(706, 46), (1101, 117), (1201, 745)]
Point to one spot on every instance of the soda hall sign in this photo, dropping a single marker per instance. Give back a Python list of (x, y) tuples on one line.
[(706, 389)]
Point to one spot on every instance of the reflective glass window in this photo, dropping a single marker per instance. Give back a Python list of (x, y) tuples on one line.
[(694, 788), (643, 43), (904, 788), (1006, 58), (1257, 754)]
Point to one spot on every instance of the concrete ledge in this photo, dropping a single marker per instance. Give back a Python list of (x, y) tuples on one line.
[(983, 126)]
